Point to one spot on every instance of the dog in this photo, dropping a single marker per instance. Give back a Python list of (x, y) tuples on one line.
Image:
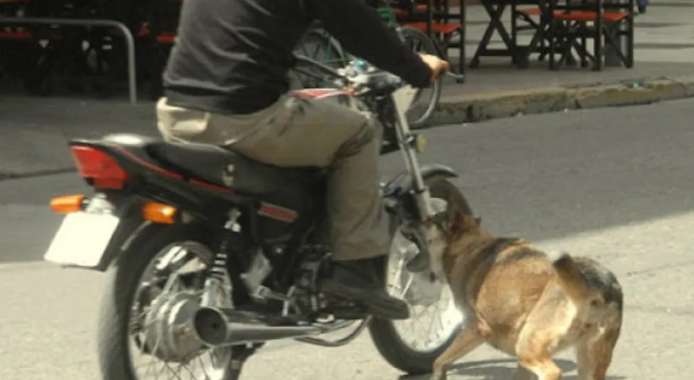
[(524, 302)]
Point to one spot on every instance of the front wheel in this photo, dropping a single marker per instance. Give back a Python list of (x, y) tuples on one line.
[(431, 302)]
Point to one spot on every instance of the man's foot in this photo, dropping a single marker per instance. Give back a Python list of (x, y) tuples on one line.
[(357, 281), (642, 9)]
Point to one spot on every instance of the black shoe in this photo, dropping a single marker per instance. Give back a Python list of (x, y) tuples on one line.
[(357, 281), (642, 9)]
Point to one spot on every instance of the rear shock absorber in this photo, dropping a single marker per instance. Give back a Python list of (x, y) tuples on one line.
[(218, 268)]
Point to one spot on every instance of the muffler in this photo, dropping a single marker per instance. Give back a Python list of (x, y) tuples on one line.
[(219, 327)]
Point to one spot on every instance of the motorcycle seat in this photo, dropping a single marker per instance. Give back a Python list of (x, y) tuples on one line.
[(218, 166)]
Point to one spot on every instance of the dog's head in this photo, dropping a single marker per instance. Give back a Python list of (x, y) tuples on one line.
[(445, 228)]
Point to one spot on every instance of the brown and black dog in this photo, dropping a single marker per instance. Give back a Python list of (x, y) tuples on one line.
[(523, 302)]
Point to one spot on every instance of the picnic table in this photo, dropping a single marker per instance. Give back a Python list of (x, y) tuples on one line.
[(132, 26), (564, 25)]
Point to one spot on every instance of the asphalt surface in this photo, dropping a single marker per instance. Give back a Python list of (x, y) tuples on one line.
[(616, 184)]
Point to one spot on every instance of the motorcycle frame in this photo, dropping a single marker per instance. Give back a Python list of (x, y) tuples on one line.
[(408, 188)]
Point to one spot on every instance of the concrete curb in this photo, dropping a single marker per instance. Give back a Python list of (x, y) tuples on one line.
[(4, 176), (482, 107)]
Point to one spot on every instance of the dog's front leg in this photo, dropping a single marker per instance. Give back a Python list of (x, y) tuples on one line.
[(469, 339)]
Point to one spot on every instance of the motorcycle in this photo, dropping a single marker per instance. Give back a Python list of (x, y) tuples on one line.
[(207, 252)]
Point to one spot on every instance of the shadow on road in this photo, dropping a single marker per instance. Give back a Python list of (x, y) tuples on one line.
[(498, 369)]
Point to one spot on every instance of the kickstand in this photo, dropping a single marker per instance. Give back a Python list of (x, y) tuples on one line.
[(239, 355)]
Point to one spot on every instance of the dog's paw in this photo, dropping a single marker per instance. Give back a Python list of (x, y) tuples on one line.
[(439, 376)]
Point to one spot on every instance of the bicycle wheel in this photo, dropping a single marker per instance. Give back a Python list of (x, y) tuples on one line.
[(318, 45), (423, 106)]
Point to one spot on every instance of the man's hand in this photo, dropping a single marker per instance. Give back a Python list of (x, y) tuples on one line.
[(436, 64)]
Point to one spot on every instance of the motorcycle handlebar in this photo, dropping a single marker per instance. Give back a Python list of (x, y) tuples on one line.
[(325, 69)]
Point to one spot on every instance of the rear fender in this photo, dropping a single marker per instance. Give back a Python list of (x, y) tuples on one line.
[(131, 224)]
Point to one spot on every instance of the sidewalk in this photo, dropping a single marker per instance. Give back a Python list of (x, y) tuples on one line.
[(664, 69), (33, 131)]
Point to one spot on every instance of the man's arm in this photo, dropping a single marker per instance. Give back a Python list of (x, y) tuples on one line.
[(362, 32)]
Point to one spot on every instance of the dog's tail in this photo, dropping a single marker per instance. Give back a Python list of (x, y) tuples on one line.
[(571, 278)]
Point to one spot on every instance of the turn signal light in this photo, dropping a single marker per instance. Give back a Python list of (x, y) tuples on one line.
[(67, 204), (159, 213)]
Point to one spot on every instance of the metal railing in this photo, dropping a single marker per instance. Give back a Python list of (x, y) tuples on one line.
[(129, 39)]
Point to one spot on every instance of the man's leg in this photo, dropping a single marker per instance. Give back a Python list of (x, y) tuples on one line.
[(300, 132)]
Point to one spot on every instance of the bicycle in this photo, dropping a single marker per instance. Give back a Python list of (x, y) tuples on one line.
[(318, 45), (417, 115)]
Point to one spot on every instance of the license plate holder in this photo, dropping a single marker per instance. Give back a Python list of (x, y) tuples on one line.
[(82, 239)]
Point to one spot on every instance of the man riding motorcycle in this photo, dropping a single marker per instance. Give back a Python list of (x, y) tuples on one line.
[(226, 83)]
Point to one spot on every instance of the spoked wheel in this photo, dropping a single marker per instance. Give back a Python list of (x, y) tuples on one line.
[(154, 287), (427, 99), (412, 345), (317, 44)]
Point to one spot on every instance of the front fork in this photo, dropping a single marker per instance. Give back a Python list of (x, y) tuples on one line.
[(420, 192)]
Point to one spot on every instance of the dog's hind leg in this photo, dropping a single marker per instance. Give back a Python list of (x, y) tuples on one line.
[(523, 374), (540, 364), (470, 338), (534, 348), (594, 354)]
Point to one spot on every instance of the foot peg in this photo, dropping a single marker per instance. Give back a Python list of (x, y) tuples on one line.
[(348, 311)]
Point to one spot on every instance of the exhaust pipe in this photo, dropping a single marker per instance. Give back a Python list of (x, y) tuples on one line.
[(225, 327)]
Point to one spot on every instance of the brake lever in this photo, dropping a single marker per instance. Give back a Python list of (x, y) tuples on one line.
[(454, 75)]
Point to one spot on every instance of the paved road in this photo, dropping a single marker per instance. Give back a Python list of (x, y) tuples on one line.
[(616, 184)]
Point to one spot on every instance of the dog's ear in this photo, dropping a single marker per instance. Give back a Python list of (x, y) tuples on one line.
[(456, 223), (478, 221), (440, 219)]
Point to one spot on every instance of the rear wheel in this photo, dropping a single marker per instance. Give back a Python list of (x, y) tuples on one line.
[(135, 340), (432, 306)]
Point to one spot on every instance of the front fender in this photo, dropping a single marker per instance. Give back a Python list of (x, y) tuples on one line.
[(399, 196), (400, 201), (402, 183)]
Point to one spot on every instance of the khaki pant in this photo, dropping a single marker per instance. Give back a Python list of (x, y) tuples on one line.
[(304, 132)]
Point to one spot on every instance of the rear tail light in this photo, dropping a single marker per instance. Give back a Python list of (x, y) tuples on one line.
[(99, 167)]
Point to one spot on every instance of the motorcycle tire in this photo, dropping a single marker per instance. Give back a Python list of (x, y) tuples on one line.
[(123, 279), (383, 332)]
